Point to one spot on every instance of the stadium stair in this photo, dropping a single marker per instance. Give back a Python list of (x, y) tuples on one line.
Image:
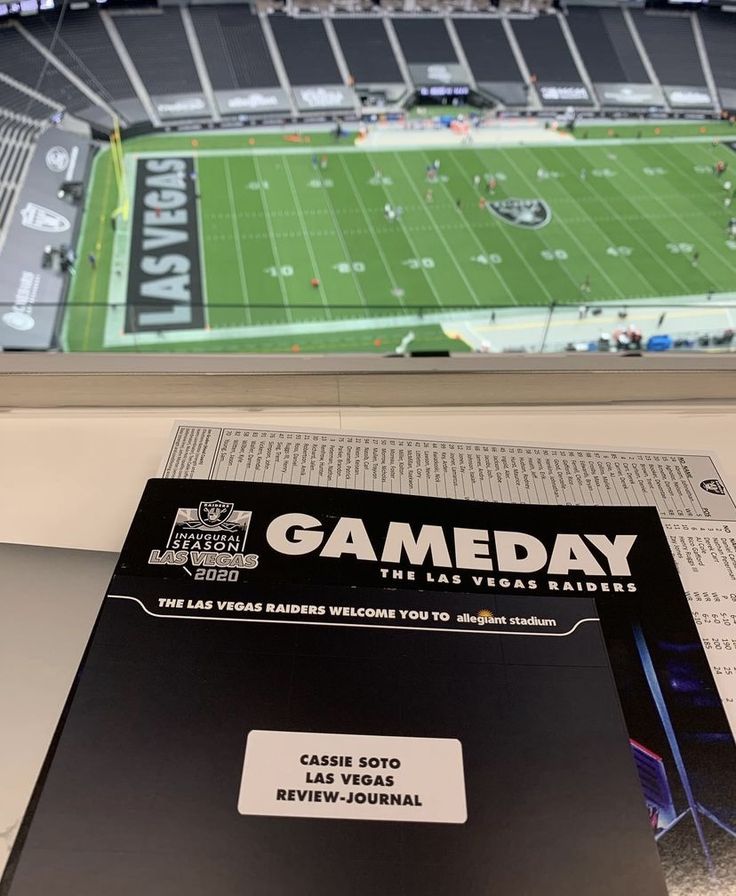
[(17, 138), (199, 63), (643, 54), (577, 58), (533, 94), (719, 36), (276, 58), (130, 69), (705, 61)]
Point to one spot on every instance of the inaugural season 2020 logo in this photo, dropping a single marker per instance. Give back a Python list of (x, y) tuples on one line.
[(209, 537)]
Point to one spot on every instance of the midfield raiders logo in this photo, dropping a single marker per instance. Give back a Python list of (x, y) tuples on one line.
[(529, 213), (212, 535)]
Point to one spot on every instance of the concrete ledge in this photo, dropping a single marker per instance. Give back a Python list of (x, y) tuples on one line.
[(79, 380)]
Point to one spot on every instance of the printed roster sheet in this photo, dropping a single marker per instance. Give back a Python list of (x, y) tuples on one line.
[(688, 490)]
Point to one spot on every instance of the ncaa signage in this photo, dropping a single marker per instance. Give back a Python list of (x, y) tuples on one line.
[(252, 102), (564, 94), (181, 105), (332, 96)]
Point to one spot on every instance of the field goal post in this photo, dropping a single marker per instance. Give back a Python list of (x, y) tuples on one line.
[(116, 150)]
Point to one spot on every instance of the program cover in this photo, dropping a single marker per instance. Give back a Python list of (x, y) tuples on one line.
[(298, 691)]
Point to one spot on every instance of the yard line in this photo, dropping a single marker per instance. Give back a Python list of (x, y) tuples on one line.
[(475, 236), (237, 238), (525, 266), (700, 242), (637, 239), (344, 245), (520, 143), (570, 233), (412, 245), (305, 235), (98, 241), (274, 249), (439, 233), (371, 229)]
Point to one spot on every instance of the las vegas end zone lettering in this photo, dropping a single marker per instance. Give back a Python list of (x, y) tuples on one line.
[(164, 285)]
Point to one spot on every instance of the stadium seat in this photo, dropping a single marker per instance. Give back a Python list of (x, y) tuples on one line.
[(368, 53), (234, 48)]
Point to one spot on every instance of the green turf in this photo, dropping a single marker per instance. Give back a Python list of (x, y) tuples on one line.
[(272, 222), (654, 128)]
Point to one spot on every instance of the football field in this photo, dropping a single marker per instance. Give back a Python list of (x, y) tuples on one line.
[(325, 247)]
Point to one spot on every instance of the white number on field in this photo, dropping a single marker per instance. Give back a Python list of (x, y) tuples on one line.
[(653, 172), (380, 180), (680, 248), (258, 185), (619, 251), (543, 174), (554, 254), (499, 175), (603, 172), (731, 244), (317, 182), (703, 169), (493, 258), (349, 267), (286, 270), (416, 263)]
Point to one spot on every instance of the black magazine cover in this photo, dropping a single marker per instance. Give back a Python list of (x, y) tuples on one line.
[(295, 691)]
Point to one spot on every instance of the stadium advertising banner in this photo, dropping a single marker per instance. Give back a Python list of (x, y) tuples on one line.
[(321, 97), (252, 102), (445, 73), (629, 95), (510, 93), (182, 105), (164, 278), (31, 293), (564, 94), (684, 97), (728, 97), (296, 690)]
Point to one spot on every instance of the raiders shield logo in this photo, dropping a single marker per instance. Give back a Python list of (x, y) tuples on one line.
[(213, 514), (713, 486), (529, 213)]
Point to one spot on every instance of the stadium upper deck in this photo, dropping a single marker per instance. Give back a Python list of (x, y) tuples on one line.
[(215, 64)]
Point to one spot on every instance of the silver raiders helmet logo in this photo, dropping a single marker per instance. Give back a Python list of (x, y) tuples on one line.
[(529, 213)]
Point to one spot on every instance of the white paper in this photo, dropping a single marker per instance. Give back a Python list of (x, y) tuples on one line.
[(359, 776), (688, 490)]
